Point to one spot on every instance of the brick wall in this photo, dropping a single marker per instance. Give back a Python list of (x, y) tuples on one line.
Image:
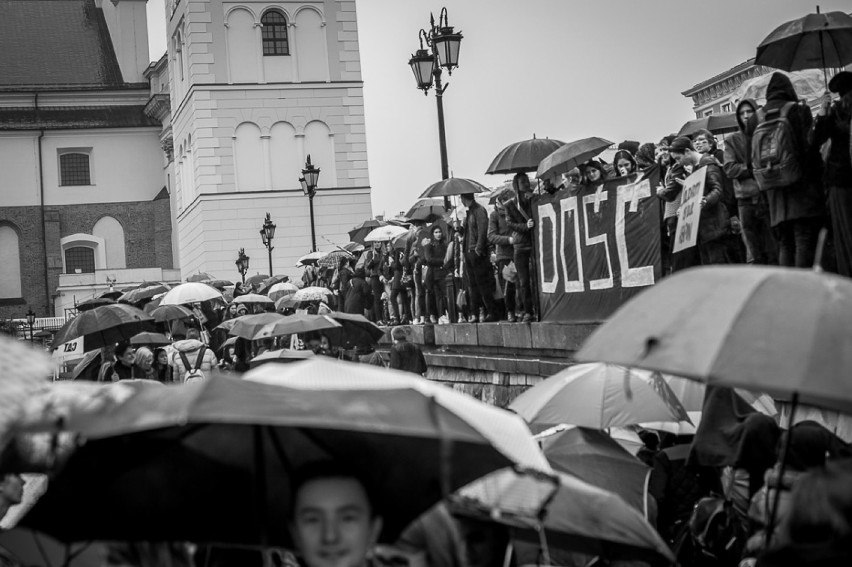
[(27, 221)]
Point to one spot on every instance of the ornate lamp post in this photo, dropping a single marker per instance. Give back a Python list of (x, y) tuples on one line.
[(267, 233), (309, 180), (31, 317), (242, 263), (443, 51)]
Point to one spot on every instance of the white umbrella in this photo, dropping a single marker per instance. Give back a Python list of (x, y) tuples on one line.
[(384, 233), (253, 298), (190, 292), (283, 289), (312, 293), (310, 258)]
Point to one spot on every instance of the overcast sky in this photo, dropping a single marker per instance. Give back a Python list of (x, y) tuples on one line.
[(563, 69)]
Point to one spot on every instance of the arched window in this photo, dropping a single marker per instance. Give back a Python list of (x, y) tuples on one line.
[(274, 33), (113, 234), (248, 158), (10, 259), (243, 54), (79, 260)]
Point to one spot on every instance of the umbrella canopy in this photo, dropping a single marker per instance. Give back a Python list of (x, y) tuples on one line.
[(523, 156), (453, 186), (310, 258), (580, 517), (288, 325), (809, 84), (358, 233), (168, 313), (200, 277), (142, 293), (253, 298), (571, 155), (594, 457), (256, 280), (220, 284), (94, 302), (385, 233), (332, 259), (356, 330), (312, 293), (249, 324), (148, 338), (153, 304), (271, 282), (283, 289), (716, 123), (284, 355), (598, 396), (285, 302), (775, 330), (156, 457), (193, 292), (104, 326), (426, 209), (87, 368), (110, 294), (816, 41), (354, 247)]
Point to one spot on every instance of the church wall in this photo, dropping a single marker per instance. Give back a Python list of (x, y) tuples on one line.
[(19, 164)]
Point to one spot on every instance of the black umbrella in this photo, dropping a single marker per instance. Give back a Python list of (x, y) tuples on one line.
[(358, 233), (94, 302), (110, 294), (137, 295), (716, 123), (356, 331), (256, 280), (571, 155), (104, 325), (200, 277), (454, 186), (523, 156), (87, 369), (426, 210), (220, 284), (152, 339), (166, 313), (816, 41)]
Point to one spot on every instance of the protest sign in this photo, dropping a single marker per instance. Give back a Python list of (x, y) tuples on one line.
[(690, 210), (596, 248)]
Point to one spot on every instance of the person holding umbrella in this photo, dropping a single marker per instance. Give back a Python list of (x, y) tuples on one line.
[(477, 262), (519, 219), (123, 368)]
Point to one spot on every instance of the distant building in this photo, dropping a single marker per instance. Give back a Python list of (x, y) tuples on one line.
[(717, 94)]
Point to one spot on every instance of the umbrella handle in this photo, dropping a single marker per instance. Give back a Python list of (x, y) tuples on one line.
[(823, 235), (773, 512)]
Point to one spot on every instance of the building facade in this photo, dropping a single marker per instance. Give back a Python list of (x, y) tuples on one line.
[(256, 87), (718, 94)]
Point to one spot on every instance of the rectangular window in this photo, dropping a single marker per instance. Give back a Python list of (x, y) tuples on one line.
[(726, 107), (79, 260), (74, 168), (707, 112)]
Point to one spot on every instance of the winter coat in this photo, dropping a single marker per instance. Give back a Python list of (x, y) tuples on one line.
[(715, 220), (802, 199), (835, 126), (518, 223), (395, 265), (358, 297), (373, 263), (434, 256), (190, 347), (670, 193), (407, 357), (737, 160), (476, 229), (499, 234)]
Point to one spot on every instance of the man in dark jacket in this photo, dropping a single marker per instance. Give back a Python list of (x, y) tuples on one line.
[(477, 262), (500, 236), (796, 211), (752, 205), (359, 295), (404, 355), (374, 266), (519, 219)]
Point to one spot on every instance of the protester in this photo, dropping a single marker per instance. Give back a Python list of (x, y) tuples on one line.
[(833, 124), (359, 297), (796, 210), (196, 356), (162, 370), (624, 163), (477, 262), (340, 282), (144, 364), (395, 269), (500, 236), (373, 266), (751, 202), (436, 279), (594, 173), (404, 355), (122, 368), (414, 250), (519, 218), (646, 157), (334, 517)]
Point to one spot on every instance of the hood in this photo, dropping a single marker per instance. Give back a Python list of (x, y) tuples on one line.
[(747, 129), (780, 88), (188, 345)]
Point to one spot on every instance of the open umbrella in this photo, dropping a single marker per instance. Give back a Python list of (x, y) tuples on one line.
[(167, 313), (354, 247), (271, 282), (284, 355), (356, 330), (156, 458), (809, 84), (194, 292), (523, 156), (716, 123), (153, 304), (200, 277), (104, 326), (256, 280), (248, 325), (220, 284), (309, 258), (454, 186), (598, 396), (285, 302), (253, 298), (283, 289), (426, 209), (94, 302), (312, 293), (288, 325), (571, 155), (142, 293), (110, 294), (150, 339), (332, 259), (385, 233), (358, 233)]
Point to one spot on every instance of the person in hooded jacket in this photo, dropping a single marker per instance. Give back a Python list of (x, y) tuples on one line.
[(796, 211), (190, 347), (833, 123), (751, 203)]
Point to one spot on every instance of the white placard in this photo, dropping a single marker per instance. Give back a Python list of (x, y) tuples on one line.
[(690, 210)]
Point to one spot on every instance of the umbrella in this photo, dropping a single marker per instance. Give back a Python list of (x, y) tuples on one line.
[(110, 294), (816, 41), (219, 284), (281, 355), (288, 325), (253, 298), (594, 457), (579, 516), (104, 326), (354, 247), (571, 155), (598, 396), (716, 123), (156, 457), (426, 209), (230, 341), (332, 259), (193, 292), (312, 293), (153, 304), (256, 280), (809, 84), (168, 313), (356, 330), (454, 186), (384, 233), (358, 233), (24, 370), (285, 302), (283, 289), (310, 258), (87, 368), (94, 302), (271, 282), (200, 277), (248, 325), (142, 293), (523, 156), (152, 339)]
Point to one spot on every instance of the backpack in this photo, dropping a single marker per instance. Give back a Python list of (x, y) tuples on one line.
[(194, 373), (774, 154)]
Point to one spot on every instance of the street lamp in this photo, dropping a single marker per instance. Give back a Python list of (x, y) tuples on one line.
[(309, 180), (443, 51), (242, 263), (267, 233), (31, 317)]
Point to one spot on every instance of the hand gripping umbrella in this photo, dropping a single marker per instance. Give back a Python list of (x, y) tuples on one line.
[(523, 156), (104, 326)]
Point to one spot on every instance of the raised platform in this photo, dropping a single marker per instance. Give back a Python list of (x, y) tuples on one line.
[(495, 361)]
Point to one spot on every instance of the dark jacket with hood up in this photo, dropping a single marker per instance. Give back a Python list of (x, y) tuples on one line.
[(803, 199), (737, 162), (835, 126), (715, 219)]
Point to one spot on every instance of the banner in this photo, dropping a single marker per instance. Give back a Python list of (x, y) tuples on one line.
[(690, 210), (595, 249)]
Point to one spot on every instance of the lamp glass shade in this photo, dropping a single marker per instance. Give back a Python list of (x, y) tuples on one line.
[(311, 174), (263, 236), (422, 65), (30, 317), (447, 44)]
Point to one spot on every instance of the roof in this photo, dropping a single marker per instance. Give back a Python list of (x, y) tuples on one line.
[(55, 43), (721, 76), (73, 117)]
